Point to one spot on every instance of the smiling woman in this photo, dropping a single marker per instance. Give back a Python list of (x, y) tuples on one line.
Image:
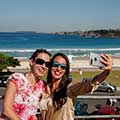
[(58, 101), (24, 89)]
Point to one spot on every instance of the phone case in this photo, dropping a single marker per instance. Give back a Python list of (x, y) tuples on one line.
[(95, 60)]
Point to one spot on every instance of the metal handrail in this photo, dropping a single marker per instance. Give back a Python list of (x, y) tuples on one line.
[(97, 116), (97, 97)]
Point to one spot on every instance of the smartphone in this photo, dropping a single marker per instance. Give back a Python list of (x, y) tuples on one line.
[(95, 60)]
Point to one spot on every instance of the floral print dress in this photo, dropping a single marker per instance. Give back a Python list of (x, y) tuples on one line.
[(27, 96)]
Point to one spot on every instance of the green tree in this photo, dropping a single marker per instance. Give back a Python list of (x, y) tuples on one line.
[(7, 61)]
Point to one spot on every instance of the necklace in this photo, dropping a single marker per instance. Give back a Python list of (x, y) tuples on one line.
[(30, 77)]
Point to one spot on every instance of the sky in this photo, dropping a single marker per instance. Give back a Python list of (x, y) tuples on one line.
[(58, 15)]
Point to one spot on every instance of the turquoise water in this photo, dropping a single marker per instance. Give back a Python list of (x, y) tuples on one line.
[(23, 44)]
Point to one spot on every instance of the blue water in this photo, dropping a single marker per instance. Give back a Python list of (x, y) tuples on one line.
[(23, 44)]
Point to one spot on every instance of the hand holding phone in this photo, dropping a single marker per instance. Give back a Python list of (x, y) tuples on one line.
[(95, 60)]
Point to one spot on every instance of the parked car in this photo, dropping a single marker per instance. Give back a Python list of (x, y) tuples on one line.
[(107, 87), (3, 80)]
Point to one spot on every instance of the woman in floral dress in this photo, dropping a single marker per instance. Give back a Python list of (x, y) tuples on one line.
[(24, 90)]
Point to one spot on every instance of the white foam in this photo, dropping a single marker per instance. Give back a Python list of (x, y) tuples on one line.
[(59, 49)]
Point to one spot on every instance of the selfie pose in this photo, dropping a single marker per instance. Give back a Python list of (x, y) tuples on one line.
[(58, 101), (24, 90)]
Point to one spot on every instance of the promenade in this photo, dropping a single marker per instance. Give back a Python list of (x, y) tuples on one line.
[(75, 63)]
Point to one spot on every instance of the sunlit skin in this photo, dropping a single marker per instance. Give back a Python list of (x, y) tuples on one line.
[(107, 60), (57, 72), (39, 70)]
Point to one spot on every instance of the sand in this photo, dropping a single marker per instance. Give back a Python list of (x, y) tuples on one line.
[(84, 63), (75, 63)]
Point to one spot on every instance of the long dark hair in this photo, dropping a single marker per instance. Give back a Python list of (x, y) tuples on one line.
[(59, 95)]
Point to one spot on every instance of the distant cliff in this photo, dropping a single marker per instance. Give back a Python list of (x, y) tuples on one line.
[(94, 33)]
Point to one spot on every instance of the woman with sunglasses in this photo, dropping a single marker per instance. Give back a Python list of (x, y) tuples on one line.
[(57, 102), (24, 90)]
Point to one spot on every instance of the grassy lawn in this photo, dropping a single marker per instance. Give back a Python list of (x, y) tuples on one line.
[(113, 78)]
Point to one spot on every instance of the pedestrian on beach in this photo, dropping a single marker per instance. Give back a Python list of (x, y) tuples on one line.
[(24, 89), (57, 103), (80, 71)]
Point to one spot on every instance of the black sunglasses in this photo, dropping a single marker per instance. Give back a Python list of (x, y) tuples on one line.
[(56, 64), (41, 62)]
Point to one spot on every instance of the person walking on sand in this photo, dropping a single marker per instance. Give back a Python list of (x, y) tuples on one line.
[(24, 90), (57, 103), (80, 71)]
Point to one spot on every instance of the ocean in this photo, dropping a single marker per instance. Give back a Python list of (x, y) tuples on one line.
[(23, 44)]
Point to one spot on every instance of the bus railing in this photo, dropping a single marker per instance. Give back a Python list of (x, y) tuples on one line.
[(97, 116)]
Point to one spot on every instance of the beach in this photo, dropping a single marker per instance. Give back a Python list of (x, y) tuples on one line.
[(75, 64)]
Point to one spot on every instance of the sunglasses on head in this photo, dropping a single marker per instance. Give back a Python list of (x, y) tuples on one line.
[(56, 64), (41, 62)]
